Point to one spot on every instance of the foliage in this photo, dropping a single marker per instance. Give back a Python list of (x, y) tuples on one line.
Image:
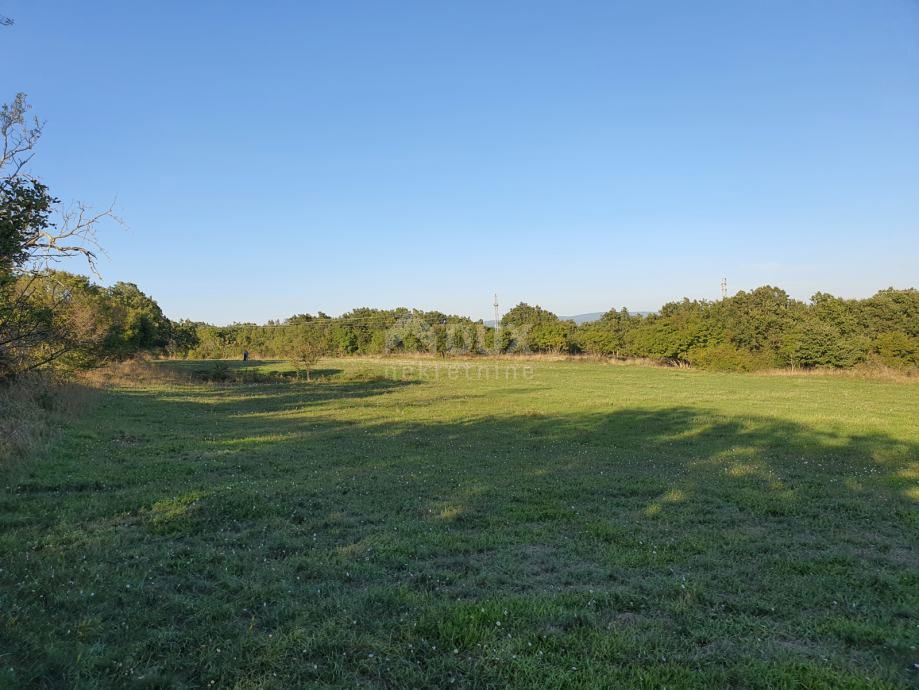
[(58, 320), (760, 329), (897, 349), (25, 208), (49, 319), (534, 329), (358, 332), (605, 336), (813, 342), (765, 328), (142, 325), (727, 357), (305, 352)]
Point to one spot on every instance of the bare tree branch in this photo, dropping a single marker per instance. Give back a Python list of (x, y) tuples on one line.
[(76, 236), (17, 135), (41, 319)]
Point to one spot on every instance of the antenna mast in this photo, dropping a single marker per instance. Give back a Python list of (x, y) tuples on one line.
[(497, 324)]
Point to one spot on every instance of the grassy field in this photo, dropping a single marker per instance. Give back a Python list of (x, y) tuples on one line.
[(559, 525)]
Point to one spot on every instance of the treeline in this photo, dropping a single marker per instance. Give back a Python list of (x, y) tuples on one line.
[(362, 331), (56, 320), (760, 329)]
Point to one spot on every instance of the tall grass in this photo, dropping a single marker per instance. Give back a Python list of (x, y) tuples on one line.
[(32, 409), (865, 370), (136, 371), (35, 407)]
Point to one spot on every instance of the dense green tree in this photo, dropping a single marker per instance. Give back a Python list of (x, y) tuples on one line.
[(142, 325), (756, 320), (606, 336), (61, 320), (25, 209), (815, 342), (890, 311), (183, 337), (526, 328), (896, 349), (679, 328)]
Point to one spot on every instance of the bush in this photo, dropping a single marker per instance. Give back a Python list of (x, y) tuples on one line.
[(727, 357), (219, 373), (815, 343), (897, 350)]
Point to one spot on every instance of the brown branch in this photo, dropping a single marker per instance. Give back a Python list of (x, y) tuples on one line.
[(48, 359)]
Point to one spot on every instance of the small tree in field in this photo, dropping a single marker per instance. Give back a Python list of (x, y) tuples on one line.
[(305, 353)]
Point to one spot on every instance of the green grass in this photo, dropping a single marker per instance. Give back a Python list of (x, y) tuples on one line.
[(580, 525)]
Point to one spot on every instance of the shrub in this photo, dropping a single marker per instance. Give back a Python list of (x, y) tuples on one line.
[(897, 349), (219, 373), (815, 343), (727, 357)]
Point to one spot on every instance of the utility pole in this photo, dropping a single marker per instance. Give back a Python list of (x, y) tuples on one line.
[(497, 325), (724, 288)]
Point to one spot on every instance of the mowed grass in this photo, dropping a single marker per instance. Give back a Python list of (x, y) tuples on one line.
[(571, 526)]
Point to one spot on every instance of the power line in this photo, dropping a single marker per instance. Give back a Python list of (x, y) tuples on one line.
[(336, 321)]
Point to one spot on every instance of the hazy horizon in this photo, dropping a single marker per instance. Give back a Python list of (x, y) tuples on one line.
[(488, 318)]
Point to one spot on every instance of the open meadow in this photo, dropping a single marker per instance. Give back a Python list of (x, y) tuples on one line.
[(479, 524)]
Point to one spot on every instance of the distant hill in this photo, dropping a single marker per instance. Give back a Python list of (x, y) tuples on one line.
[(583, 318)]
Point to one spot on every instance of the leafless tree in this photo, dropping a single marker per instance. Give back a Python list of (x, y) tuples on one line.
[(74, 233), (36, 231)]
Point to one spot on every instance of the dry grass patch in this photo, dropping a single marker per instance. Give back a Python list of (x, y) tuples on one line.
[(33, 409)]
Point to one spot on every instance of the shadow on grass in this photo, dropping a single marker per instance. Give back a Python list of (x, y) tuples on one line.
[(231, 402), (236, 371), (198, 364), (689, 451)]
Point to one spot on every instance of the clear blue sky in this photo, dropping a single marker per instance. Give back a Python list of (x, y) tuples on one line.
[(280, 157)]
